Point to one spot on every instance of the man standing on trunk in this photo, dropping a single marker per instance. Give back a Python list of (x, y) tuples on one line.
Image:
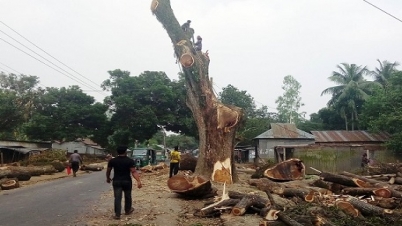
[(75, 160), (122, 167)]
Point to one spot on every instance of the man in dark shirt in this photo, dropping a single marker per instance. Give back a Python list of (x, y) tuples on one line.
[(75, 160), (123, 167)]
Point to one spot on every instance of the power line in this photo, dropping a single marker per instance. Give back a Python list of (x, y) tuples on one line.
[(10, 68), (84, 84), (389, 14), (5, 70), (46, 59), (49, 54)]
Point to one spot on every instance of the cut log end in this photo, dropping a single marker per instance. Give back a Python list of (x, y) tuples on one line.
[(310, 197), (154, 5), (360, 183), (237, 211), (347, 208), (272, 215), (186, 60), (383, 192), (9, 184), (291, 169)]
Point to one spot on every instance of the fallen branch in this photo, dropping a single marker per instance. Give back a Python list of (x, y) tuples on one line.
[(368, 209), (344, 180), (381, 192), (281, 215), (376, 183)]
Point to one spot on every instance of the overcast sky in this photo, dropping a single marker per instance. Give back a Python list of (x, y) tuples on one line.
[(253, 44)]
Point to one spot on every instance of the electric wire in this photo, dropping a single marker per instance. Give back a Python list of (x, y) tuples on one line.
[(82, 82), (389, 14), (48, 53)]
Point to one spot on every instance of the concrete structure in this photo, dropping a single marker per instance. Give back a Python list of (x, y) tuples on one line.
[(336, 151), (84, 146), (280, 134)]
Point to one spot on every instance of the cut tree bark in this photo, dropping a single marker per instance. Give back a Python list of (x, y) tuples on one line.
[(303, 193), (276, 213), (266, 184), (343, 180), (368, 209), (258, 201), (20, 175), (9, 184), (376, 183), (387, 203), (248, 200), (380, 192), (188, 162), (291, 169), (92, 167), (190, 186), (347, 208), (216, 123)]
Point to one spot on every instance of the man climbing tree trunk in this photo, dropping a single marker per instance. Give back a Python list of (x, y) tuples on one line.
[(217, 123)]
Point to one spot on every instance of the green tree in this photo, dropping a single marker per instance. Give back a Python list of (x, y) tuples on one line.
[(141, 103), (20, 98), (383, 111), (289, 103), (384, 72), (350, 92), (65, 115), (10, 113), (232, 96)]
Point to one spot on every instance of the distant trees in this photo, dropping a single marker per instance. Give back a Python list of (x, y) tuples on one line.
[(66, 114), (289, 103), (350, 92)]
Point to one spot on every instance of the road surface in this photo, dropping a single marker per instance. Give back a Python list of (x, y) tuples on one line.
[(58, 202)]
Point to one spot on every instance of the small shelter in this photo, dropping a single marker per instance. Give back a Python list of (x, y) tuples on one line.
[(281, 134), (83, 146)]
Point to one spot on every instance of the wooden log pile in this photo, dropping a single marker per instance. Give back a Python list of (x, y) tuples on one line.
[(11, 175), (330, 199), (92, 167), (152, 168)]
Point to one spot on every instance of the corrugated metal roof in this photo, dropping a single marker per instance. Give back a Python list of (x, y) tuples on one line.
[(19, 149), (284, 131), (349, 136)]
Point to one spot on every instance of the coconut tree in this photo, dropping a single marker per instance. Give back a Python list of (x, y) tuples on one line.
[(350, 92), (384, 72)]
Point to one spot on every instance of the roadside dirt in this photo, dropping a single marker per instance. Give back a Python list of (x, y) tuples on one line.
[(156, 205)]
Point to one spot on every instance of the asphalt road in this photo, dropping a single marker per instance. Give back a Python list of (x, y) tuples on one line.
[(57, 202)]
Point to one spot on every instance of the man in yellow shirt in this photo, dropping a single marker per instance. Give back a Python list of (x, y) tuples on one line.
[(174, 161)]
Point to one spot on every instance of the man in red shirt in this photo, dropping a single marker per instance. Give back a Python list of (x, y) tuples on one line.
[(122, 167)]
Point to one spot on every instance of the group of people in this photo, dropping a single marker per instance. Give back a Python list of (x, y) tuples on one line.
[(186, 28)]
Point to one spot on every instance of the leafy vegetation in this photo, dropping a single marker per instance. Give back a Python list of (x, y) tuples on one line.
[(139, 106)]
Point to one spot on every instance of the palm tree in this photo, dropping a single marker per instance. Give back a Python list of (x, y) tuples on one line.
[(382, 74), (351, 91)]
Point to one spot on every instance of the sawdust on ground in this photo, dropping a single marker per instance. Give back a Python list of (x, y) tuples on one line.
[(156, 205)]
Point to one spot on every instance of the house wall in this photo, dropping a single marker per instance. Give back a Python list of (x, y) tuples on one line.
[(80, 147), (338, 159), (265, 147)]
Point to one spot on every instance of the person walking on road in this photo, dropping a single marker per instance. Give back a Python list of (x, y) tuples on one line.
[(122, 167), (75, 161), (174, 161)]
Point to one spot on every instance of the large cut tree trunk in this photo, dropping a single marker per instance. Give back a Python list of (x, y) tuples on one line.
[(217, 123)]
